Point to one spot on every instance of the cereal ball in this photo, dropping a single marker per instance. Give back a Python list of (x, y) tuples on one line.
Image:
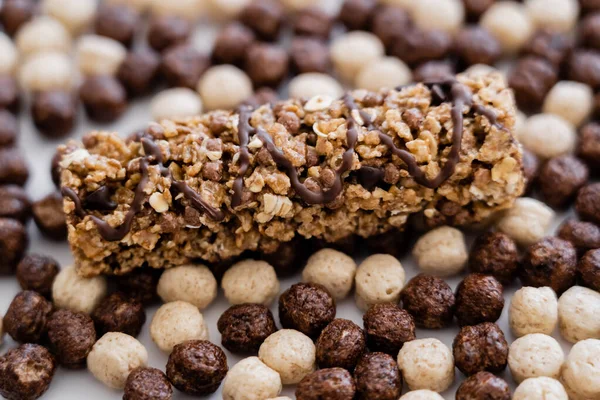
[(332, 269), (531, 168), (512, 36), (75, 15), (306, 307), (441, 252), (327, 383), (36, 272), (99, 55), (388, 327), (10, 56), (426, 364), (533, 310), (483, 385), (552, 46), (479, 298), (183, 65), (166, 31), (266, 64), (479, 348), (10, 104), (250, 281), (583, 67), (385, 72), (476, 46), (475, 8), (232, 44), (496, 254), (389, 22), (188, 9), (555, 15), (573, 101), (197, 367), (71, 336), (14, 201), (140, 284), (54, 113), (76, 293), (311, 84), (290, 353), (445, 15), (435, 70), (175, 103), (589, 145), (429, 300), (587, 204), (114, 356), (422, 394), (560, 179), (356, 14), (377, 377), (589, 269), (42, 34), (550, 262), (535, 355), (527, 221), (578, 310), (251, 379), (49, 217), (119, 313), (581, 372), (13, 241), (46, 71), (224, 86), (352, 51), (264, 17), (540, 388), (26, 372), (118, 22), (26, 318), (15, 13), (245, 327), (226, 9), (416, 46), (379, 279), (194, 284), (147, 383), (531, 79), (176, 322), (340, 344)]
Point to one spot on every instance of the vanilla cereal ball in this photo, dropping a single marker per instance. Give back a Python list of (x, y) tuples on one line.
[(352, 51), (535, 355), (251, 379), (509, 23), (444, 15), (548, 135), (554, 15), (99, 55), (114, 356), (227, 9), (10, 57), (194, 284), (385, 72), (520, 120), (332, 269), (579, 314), (426, 364), (224, 87), (379, 279), (175, 103), (139, 5), (527, 222), (174, 323), (75, 15), (441, 252), (42, 34), (570, 100), (250, 281), (188, 9), (581, 372), (75, 293), (533, 310), (540, 388), (47, 71), (311, 84), (290, 353), (422, 394)]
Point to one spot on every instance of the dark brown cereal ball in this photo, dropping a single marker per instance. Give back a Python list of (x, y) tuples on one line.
[(10, 98), (26, 372), (232, 43), (26, 318), (71, 336), (589, 269), (393, 242), (183, 65), (552, 46), (329, 383), (119, 313), (15, 13), (589, 145), (13, 243), (289, 256), (389, 23), (429, 300), (550, 262), (479, 298), (475, 45), (147, 383), (417, 46), (357, 14), (583, 235), (341, 344), (167, 30), (14, 203), (9, 128), (54, 112), (140, 284), (588, 203), (589, 5), (312, 21), (388, 327), (13, 167), (264, 17), (584, 66), (496, 254), (103, 97), (309, 55), (49, 216), (197, 367), (266, 64), (531, 168), (483, 386), (36, 272), (118, 22), (475, 8), (589, 31), (531, 80), (481, 347), (138, 71), (244, 327), (377, 377), (306, 307), (560, 179), (433, 71)]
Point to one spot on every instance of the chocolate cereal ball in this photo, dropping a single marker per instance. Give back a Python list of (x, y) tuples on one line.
[(309, 55), (583, 66), (13, 243), (429, 300), (264, 17), (483, 386), (356, 14), (418, 46), (140, 284), (14, 203), (475, 45), (36, 272), (340, 344), (197, 367), (147, 383), (245, 327), (583, 235), (119, 313), (388, 327), (232, 44), (377, 377), (306, 307), (138, 71), (312, 21), (480, 347), (390, 22), (266, 64), (531, 80), (49, 217), (71, 336), (118, 22), (54, 112), (588, 203), (560, 179), (26, 318), (329, 383), (589, 269), (550, 262), (589, 145), (183, 65), (103, 97), (479, 298), (167, 30), (26, 372), (496, 254)]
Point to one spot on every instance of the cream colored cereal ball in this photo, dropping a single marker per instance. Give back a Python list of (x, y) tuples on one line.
[(573, 101), (444, 15), (140, 5), (535, 355), (75, 15), (332, 269), (540, 388), (533, 310), (224, 86), (385, 72), (46, 71), (99, 55), (251, 379), (226, 9), (441, 252), (579, 314), (509, 23), (176, 322), (352, 51), (422, 394), (175, 103), (527, 222), (379, 279), (290, 353), (548, 135), (426, 364), (581, 372), (42, 34), (75, 293), (188, 9), (194, 284), (10, 56), (520, 120), (311, 84), (250, 281), (554, 15), (114, 356)]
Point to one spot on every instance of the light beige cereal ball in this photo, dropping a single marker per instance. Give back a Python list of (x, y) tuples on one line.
[(444, 15), (114, 356), (10, 57), (533, 310), (194, 284), (422, 394), (579, 314), (554, 15), (311, 84), (175, 103), (535, 355), (527, 222), (46, 71), (251, 379), (385, 72), (548, 135), (250, 281), (520, 121), (42, 34), (140, 5), (573, 101), (581, 372), (379, 279), (540, 388), (176, 322), (75, 15), (75, 293), (226, 9), (224, 86), (290, 353), (99, 55), (441, 252), (352, 51), (332, 269), (426, 364), (509, 23), (188, 9)]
